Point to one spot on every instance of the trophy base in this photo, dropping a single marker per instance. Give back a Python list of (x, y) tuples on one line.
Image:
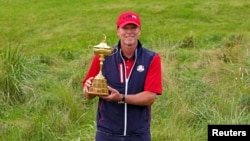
[(96, 93), (99, 87)]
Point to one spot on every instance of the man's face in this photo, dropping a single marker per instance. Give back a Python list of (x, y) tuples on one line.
[(128, 34)]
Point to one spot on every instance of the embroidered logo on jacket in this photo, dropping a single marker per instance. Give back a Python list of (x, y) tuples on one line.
[(140, 68)]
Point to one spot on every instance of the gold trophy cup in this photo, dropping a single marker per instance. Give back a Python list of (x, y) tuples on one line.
[(99, 83)]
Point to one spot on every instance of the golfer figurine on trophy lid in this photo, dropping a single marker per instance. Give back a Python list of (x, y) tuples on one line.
[(99, 83)]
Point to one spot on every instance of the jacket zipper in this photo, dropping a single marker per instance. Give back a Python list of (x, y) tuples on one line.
[(126, 91)]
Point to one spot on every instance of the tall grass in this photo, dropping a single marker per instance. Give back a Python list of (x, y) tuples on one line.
[(12, 74), (203, 86), (44, 52)]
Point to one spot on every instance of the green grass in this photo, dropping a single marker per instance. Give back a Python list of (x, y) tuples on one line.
[(45, 53)]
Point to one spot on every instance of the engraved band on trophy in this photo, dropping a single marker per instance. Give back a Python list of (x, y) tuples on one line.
[(99, 83)]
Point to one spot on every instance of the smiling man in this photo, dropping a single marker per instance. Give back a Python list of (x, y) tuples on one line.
[(134, 79)]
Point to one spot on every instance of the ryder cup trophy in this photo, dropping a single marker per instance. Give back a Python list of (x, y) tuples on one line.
[(99, 83)]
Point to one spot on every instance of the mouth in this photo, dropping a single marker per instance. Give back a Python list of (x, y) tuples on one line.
[(130, 37)]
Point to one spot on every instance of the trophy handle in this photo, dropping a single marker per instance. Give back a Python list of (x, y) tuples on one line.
[(105, 37)]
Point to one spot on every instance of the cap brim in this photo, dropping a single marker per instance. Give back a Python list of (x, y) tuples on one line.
[(129, 22)]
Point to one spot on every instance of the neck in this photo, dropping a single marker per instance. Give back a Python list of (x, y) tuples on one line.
[(128, 52), (128, 49)]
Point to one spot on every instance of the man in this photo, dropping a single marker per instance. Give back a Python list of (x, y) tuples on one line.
[(134, 79)]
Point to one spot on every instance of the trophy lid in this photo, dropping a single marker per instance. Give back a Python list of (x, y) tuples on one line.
[(103, 44)]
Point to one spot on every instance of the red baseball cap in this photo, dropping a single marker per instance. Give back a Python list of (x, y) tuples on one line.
[(128, 17)]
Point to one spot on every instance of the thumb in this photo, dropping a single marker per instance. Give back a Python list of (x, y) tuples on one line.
[(112, 89)]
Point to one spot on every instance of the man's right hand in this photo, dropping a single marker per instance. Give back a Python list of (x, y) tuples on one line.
[(87, 84)]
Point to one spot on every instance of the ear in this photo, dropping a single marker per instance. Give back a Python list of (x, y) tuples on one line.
[(117, 31), (139, 32)]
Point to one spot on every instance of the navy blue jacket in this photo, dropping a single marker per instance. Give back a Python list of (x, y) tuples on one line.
[(125, 119)]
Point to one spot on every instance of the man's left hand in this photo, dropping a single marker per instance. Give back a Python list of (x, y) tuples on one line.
[(113, 96)]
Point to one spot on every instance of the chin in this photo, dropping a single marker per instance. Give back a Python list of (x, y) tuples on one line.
[(130, 43)]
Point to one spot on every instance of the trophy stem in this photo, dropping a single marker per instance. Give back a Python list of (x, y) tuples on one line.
[(99, 75), (101, 60)]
